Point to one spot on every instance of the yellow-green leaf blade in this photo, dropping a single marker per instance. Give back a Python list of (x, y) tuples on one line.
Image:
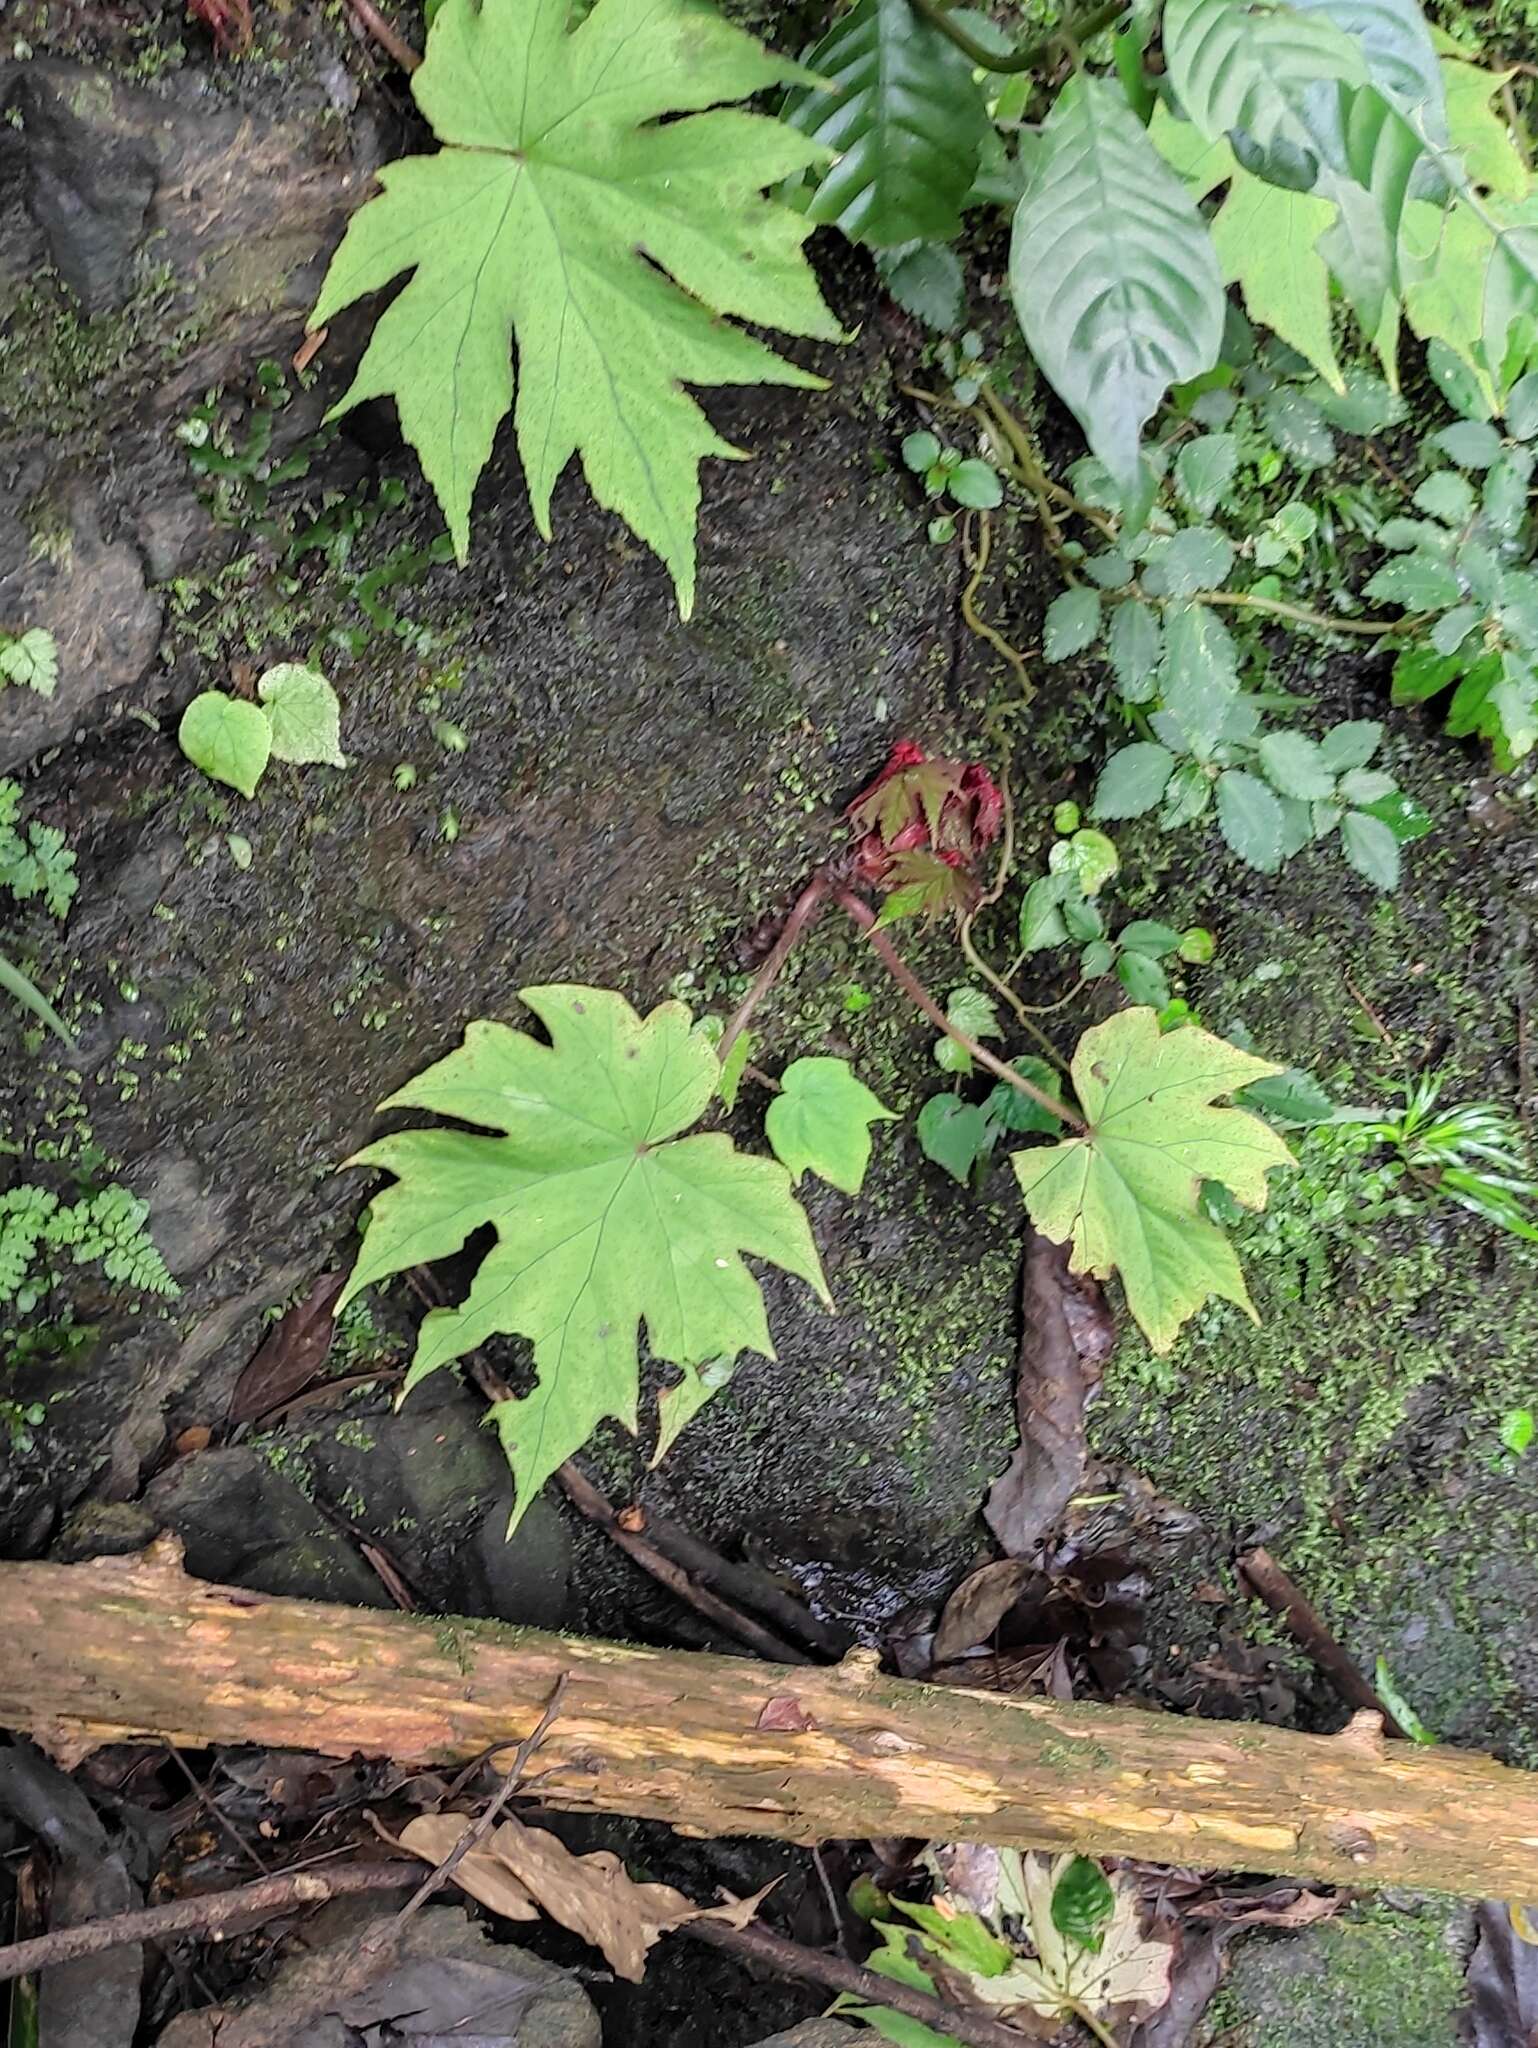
[(1126, 1194), (606, 1222), (565, 215)]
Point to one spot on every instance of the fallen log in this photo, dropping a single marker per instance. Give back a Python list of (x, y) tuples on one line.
[(128, 1647)]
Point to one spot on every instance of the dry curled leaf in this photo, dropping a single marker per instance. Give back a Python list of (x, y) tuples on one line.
[(521, 1871), (480, 1871), (1067, 1336), (979, 1604), (785, 1711)]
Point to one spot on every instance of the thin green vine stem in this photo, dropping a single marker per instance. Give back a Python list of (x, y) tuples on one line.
[(1077, 29), (1377, 629)]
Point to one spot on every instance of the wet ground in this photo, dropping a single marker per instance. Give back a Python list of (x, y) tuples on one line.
[(625, 800)]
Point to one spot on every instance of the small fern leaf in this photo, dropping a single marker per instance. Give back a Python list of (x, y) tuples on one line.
[(1112, 272)]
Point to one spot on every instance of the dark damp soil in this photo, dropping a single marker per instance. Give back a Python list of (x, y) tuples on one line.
[(626, 799)]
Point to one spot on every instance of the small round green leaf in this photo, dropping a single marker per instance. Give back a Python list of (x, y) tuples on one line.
[(227, 738), (954, 1134), (921, 451), (304, 714), (976, 485)]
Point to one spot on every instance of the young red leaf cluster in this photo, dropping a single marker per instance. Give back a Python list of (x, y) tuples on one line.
[(921, 826)]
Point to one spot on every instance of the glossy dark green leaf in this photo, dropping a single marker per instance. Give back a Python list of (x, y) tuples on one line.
[(905, 115), (1290, 1098), (1143, 979), (1013, 1111), (1082, 1903)]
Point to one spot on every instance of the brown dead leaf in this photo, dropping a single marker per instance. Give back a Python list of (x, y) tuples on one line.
[(290, 1356), (480, 1871), (592, 1895), (1279, 1906), (785, 1711), (735, 1912), (1503, 1977), (1067, 1337), (979, 1604), (197, 1437)]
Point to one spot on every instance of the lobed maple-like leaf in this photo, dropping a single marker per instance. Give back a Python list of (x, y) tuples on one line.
[(605, 1217), (1126, 1195), (565, 212)]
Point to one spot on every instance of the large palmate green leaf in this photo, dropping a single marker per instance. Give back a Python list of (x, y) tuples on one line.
[(905, 116), (565, 212), (1126, 1195), (1112, 272), (605, 1218)]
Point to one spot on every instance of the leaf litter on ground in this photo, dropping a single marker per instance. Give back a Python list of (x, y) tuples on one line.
[(521, 1872), (1503, 1976), (1066, 1337)]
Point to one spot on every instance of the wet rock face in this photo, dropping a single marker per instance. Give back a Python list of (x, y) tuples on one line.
[(152, 245), (634, 794), (92, 169)]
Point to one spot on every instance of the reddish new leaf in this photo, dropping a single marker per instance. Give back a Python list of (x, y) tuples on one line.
[(291, 1355), (923, 804)]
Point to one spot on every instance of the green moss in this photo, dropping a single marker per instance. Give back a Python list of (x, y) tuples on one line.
[(54, 364), (1374, 1979)]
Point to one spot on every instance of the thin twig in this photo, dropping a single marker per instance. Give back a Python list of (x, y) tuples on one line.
[(763, 1642), (810, 1965), (917, 994), (370, 18), (1259, 1570), (210, 1913), (803, 910), (211, 1807), (748, 1584), (478, 1830)]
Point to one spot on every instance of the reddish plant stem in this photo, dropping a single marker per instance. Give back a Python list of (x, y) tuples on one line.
[(369, 17), (803, 910), (917, 994)]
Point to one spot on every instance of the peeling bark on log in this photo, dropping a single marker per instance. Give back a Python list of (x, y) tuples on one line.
[(126, 1647)]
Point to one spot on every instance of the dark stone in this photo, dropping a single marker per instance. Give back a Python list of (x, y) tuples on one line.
[(91, 594), (244, 1524), (92, 172), (103, 1528), (560, 2014)]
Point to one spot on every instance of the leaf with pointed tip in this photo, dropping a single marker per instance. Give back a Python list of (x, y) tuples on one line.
[(566, 211), (1112, 272), (820, 1122), (905, 119), (1127, 1194), (1238, 66), (605, 1217)]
